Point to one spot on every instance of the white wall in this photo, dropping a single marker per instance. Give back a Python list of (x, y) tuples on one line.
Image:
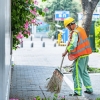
[(5, 30)]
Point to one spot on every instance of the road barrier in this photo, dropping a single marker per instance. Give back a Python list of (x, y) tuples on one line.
[(21, 44), (54, 44), (31, 38), (32, 44), (41, 38), (43, 44)]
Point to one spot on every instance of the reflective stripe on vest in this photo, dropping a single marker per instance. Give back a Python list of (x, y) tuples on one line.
[(83, 46), (80, 50), (82, 41)]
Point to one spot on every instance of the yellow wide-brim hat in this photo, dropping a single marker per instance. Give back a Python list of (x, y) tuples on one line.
[(68, 21)]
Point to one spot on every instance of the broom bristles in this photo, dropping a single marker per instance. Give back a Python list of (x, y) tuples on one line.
[(55, 83)]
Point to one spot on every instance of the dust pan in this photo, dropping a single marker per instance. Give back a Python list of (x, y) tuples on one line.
[(55, 82)]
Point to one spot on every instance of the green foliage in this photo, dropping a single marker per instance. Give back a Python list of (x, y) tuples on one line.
[(97, 33), (50, 33), (60, 5), (97, 98), (68, 69), (20, 14), (93, 70), (43, 0), (38, 98), (13, 65), (52, 30), (55, 97)]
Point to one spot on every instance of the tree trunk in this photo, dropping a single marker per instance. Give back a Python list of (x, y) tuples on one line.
[(88, 7)]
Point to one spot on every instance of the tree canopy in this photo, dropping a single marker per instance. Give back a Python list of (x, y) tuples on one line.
[(61, 5)]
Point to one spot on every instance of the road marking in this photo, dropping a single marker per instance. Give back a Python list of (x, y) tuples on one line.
[(69, 83)]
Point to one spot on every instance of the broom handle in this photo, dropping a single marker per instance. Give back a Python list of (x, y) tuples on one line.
[(63, 57), (61, 63)]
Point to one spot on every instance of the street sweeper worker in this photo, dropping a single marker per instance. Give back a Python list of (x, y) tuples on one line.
[(78, 50)]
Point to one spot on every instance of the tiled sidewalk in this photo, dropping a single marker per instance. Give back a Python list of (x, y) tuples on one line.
[(30, 81), (35, 65)]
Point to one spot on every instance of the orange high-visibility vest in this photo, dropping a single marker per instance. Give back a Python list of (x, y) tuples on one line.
[(83, 45)]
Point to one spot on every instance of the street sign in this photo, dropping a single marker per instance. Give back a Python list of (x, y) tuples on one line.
[(94, 16), (61, 15)]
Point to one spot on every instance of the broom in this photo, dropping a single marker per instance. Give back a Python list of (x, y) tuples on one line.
[(55, 83)]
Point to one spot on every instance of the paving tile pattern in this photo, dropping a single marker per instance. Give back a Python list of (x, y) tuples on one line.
[(30, 81), (34, 65)]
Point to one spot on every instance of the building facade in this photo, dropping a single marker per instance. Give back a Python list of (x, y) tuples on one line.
[(5, 56)]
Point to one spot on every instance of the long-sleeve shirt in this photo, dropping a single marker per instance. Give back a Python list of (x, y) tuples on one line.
[(73, 42)]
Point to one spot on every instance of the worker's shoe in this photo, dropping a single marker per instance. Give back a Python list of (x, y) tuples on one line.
[(88, 92), (75, 94)]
